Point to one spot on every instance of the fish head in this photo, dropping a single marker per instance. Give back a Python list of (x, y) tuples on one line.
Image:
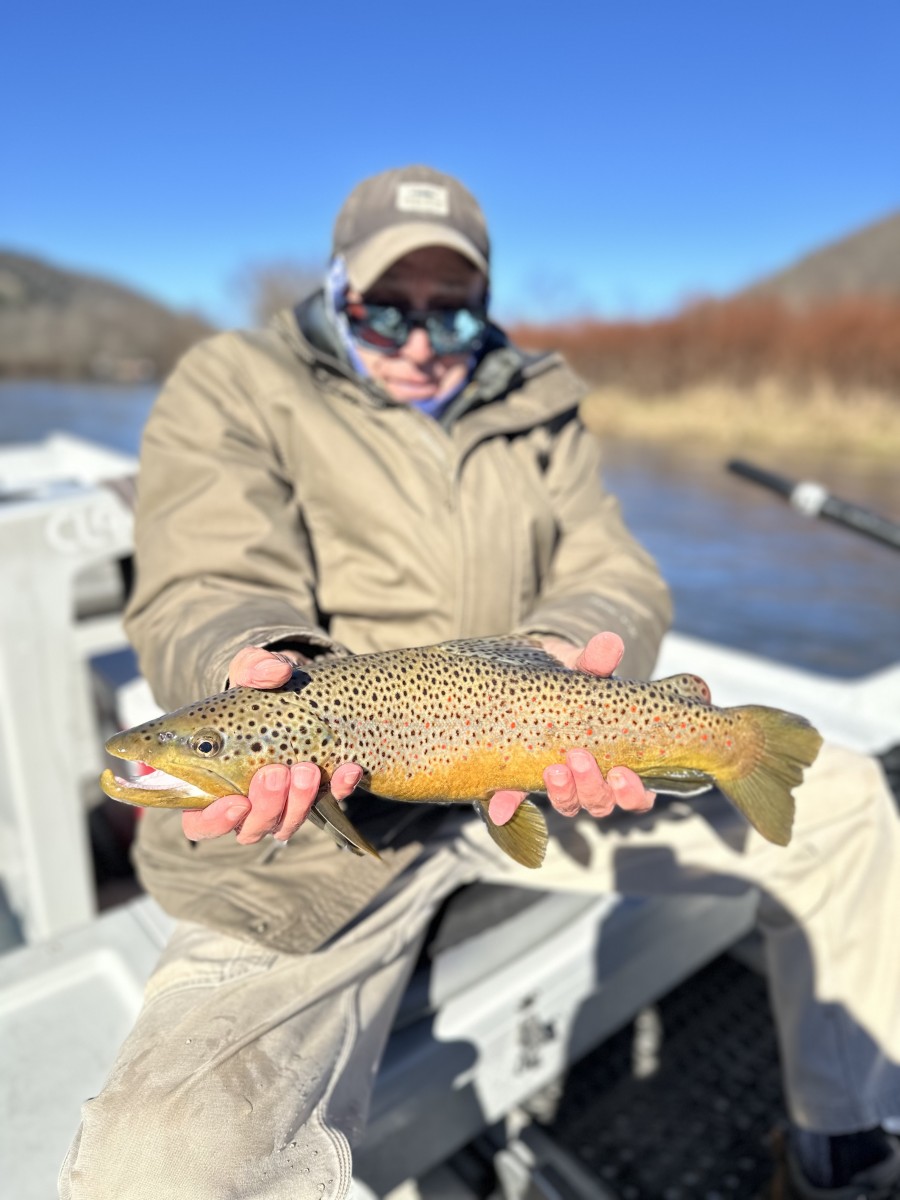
[(208, 749)]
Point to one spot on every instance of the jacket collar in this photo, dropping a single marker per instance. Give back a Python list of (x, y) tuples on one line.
[(502, 368)]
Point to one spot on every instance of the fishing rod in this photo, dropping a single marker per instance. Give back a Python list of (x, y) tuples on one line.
[(814, 500)]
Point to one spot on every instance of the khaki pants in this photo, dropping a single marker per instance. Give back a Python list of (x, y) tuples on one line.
[(248, 1072)]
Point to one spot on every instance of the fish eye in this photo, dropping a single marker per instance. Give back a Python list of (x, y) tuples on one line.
[(207, 742)]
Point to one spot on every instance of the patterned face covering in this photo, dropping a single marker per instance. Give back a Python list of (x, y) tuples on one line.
[(335, 297)]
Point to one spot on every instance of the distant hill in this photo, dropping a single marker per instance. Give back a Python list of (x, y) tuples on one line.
[(67, 325), (866, 263)]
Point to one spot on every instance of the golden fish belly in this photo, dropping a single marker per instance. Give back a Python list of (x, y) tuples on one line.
[(461, 771)]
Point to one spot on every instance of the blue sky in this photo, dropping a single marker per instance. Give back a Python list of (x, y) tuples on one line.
[(628, 156)]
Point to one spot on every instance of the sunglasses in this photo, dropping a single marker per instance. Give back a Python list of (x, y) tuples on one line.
[(385, 327)]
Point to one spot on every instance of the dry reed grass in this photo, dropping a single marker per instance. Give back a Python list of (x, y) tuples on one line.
[(850, 343), (862, 422), (747, 371)]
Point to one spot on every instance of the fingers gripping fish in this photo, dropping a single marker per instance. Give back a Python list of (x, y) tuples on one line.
[(456, 722)]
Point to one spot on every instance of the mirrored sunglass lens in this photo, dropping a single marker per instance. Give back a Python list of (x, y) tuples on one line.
[(389, 322), (453, 331), (381, 326)]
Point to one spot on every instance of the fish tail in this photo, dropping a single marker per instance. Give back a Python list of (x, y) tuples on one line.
[(523, 837), (781, 746)]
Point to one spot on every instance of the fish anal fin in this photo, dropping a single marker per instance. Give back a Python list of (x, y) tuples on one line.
[(685, 782), (692, 687), (328, 815), (523, 837)]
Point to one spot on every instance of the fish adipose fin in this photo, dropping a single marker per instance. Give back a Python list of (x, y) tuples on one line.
[(786, 745), (523, 837), (328, 815)]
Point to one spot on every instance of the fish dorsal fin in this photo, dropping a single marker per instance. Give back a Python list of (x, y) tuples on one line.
[(692, 687), (515, 651)]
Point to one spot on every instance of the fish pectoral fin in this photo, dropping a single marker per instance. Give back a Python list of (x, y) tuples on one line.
[(523, 837), (328, 815), (684, 782)]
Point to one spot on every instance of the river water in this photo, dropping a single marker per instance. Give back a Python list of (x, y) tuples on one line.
[(745, 569)]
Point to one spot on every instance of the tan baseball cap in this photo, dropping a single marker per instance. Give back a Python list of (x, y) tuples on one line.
[(404, 209)]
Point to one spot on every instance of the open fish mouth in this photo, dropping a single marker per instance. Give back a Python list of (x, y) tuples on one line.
[(157, 789)]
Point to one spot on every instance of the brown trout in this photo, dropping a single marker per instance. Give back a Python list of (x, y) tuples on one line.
[(453, 723)]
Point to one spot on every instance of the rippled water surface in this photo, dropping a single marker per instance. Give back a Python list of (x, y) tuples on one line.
[(749, 571), (745, 569)]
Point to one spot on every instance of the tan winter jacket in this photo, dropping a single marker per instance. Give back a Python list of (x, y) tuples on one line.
[(284, 502)]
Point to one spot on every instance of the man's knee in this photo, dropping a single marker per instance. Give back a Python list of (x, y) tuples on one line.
[(142, 1147), (843, 783)]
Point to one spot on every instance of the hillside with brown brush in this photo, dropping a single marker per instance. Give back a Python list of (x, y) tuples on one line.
[(809, 356), (847, 343)]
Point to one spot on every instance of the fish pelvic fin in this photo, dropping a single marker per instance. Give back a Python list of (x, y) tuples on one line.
[(787, 744), (328, 815), (523, 837)]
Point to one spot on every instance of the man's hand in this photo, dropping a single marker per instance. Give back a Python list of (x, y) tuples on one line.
[(280, 797), (578, 783)]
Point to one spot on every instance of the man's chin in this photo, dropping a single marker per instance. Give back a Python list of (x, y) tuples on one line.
[(411, 393)]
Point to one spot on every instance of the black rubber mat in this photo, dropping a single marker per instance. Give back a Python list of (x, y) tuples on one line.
[(699, 1126)]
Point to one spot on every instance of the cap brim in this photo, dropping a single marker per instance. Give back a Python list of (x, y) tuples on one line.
[(370, 259)]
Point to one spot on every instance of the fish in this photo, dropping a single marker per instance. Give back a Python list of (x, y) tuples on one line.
[(454, 722)]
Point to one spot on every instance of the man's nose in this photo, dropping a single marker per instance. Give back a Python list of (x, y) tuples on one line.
[(418, 348)]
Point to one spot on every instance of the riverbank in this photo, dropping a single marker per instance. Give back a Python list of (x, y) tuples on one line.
[(719, 417)]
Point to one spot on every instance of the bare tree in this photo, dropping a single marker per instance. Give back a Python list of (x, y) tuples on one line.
[(266, 287)]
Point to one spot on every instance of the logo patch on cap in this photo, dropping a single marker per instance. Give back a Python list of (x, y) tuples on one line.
[(428, 198)]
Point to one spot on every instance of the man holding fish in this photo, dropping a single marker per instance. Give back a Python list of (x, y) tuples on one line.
[(378, 471)]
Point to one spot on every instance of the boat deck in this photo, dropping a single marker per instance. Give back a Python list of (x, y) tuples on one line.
[(681, 1105)]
